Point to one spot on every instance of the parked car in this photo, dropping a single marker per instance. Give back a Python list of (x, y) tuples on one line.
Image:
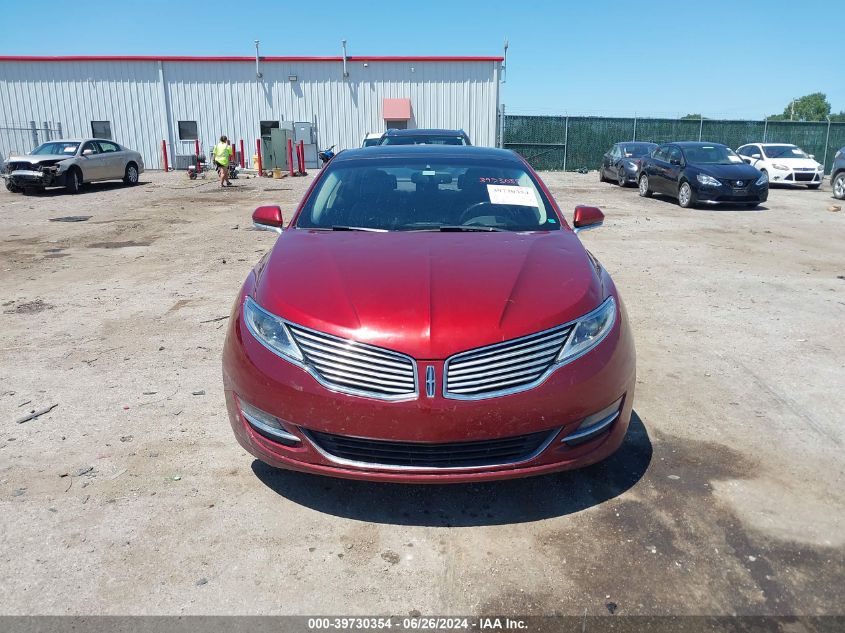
[(371, 139), (621, 163), (784, 163), (696, 172), (425, 136), (72, 162), (437, 322), (837, 175)]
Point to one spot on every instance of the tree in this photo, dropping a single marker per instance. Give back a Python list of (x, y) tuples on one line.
[(693, 116), (838, 118), (811, 107)]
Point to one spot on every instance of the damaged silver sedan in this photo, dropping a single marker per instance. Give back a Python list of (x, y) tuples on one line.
[(70, 163)]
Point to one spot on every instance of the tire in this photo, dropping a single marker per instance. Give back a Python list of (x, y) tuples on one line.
[(838, 186), (130, 177), (645, 192), (686, 195), (814, 186), (12, 188), (73, 181)]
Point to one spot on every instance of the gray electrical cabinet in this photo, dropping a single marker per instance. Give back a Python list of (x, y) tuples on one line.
[(304, 131), (274, 153)]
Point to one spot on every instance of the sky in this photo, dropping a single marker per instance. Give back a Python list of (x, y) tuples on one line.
[(721, 58)]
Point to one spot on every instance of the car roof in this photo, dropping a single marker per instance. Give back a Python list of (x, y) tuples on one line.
[(470, 152), (685, 144), (425, 132)]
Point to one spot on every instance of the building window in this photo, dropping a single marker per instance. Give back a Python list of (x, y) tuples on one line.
[(397, 125), (101, 129), (188, 131), (266, 126)]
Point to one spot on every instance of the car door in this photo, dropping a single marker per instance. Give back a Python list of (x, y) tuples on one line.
[(92, 162), (615, 158), (674, 167), (607, 161), (114, 159), (656, 169)]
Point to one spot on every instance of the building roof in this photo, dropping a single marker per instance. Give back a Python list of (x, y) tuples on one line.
[(227, 58)]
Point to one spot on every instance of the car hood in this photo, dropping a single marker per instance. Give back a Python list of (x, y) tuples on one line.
[(796, 162), (39, 159), (428, 294), (741, 171)]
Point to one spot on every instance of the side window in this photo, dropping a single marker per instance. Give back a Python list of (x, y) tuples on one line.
[(101, 129), (662, 153), (188, 131), (744, 151), (90, 148), (675, 154), (616, 153), (108, 147)]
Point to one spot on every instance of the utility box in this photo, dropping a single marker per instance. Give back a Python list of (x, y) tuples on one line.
[(275, 147), (304, 131)]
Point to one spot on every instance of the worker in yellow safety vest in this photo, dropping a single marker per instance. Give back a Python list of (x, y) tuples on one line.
[(222, 156)]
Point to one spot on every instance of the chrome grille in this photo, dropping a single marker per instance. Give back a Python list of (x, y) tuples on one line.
[(356, 368), (503, 368)]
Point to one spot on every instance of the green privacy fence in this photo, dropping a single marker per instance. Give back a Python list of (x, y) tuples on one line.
[(578, 142)]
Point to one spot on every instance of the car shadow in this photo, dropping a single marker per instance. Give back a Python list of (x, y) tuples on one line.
[(712, 207), (91, 187), (465, 505)]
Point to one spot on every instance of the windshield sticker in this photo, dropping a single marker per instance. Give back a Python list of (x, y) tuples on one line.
[(428, 172), (734, 159), (498, 181), (797, 151), (522, 196)]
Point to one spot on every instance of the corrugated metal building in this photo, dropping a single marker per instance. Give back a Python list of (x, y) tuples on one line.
[(141, 101)]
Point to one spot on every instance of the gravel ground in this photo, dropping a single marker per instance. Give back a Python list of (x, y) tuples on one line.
[(132, 497)]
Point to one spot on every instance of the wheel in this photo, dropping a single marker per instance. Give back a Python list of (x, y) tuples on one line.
[(131, 175), (192, 175), (620, 177), (12, 187), (686, 195), (838, 186), (73, 181), (645, 192)]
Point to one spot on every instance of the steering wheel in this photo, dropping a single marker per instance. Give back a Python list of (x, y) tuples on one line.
[(465, 216)]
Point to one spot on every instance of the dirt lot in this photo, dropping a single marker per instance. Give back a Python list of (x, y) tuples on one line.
[(132, 497)]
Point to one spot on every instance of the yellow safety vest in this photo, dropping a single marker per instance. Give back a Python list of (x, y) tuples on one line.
[(221, 154)]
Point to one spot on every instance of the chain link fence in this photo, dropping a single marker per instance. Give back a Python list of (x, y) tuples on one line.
[(22, 139), (570, 143)]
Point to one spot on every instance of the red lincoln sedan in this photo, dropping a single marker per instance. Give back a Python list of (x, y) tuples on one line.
[(429, 316)]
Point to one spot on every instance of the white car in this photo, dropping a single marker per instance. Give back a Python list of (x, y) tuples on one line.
[(783, 163), (371, 139)]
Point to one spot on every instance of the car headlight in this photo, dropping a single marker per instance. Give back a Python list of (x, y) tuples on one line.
[(762, 180), (819, 167), (704, 179), (270, 331), (629, 164), (782, 167), (589, 331)]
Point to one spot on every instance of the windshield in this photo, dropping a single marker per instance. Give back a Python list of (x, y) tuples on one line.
[(711, 155), (423, 140), (784, 151), (636, 150), (57, 147), (409, 194), (371, 141)]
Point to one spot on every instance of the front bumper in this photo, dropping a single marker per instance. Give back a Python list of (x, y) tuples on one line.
[(35, 178), (308, 411), (725, 194), (796, 176)]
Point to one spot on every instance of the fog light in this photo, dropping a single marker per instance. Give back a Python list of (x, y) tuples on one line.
[(267, 425), (593, 424)]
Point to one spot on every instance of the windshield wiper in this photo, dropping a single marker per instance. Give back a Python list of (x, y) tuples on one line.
[(338, 227), (460, 228)]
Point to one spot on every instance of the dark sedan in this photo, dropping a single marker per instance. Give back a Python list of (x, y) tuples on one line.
[(621, 163), (702, 173)]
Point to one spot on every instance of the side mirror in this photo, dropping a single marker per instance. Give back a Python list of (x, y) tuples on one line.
[(587, 218), (756, 156), (675, 161), (268, 218), (812, 156), (87, 152), (746, 159)]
